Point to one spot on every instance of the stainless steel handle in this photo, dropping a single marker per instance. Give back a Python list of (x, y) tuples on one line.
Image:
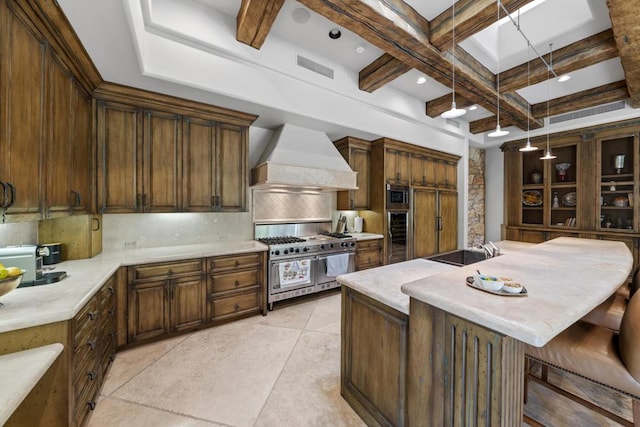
[(390, 242)]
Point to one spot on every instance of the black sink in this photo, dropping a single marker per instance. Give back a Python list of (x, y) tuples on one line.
[(460, 257)]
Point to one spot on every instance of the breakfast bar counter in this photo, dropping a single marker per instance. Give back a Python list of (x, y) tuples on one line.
[(466, 346)]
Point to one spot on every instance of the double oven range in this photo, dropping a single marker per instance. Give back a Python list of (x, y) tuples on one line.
[(304, 258)]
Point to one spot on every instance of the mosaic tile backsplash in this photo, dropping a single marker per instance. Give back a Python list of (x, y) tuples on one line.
[(291, 206)]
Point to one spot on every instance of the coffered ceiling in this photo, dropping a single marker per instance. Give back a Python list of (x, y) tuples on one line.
[(387, 45)]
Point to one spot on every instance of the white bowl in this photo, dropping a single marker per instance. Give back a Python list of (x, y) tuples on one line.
[(490, 283), (10, 283), (512, 287)]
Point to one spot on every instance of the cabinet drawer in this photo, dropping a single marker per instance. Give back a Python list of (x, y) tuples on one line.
[(235, 262), (235, 305), (366, 260), (85, 355), (84, 378), (369, 245), (85, 403), (233, 281), (86, 318), (165, 270), (107, 294)]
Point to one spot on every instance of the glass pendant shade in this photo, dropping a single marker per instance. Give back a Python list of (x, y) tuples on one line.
[(528, 147), (453, 112), (498, 132)]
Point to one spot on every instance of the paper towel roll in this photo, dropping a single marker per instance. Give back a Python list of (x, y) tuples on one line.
[(357, 224)]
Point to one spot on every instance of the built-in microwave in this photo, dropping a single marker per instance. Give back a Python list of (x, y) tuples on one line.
[(397, 197)]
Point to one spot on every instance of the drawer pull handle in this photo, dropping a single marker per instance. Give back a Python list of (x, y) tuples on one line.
[(112, 357), (91, 315), (92, 405), (170, 272), (112, 312), (91, 375), (237, 263), (236, 307), (111, 290), (112, 334), (92, 345), (237, 283)]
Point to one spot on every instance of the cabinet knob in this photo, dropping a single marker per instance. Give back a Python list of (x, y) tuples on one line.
[(236, 307), (237, 283), (91, 375), (237, 263), (91, 404)]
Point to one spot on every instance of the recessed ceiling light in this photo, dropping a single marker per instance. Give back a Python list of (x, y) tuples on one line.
[(421, 80), (473, 107), (359, 49), (334, 33), (300, 15)]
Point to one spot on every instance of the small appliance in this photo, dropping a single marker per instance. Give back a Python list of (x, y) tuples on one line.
[(397, 197), (29, 258)]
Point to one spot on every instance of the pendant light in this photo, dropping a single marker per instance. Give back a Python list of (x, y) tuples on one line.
[(528, 146), (548, 155), (498, 132), (454, 112)]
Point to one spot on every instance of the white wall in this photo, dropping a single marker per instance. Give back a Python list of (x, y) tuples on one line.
[(494, 189)]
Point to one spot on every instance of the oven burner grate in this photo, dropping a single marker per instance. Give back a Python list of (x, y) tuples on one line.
[(336, 235), (280, 240)]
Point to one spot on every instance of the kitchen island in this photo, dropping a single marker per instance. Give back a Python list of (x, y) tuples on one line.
[(464, 347)]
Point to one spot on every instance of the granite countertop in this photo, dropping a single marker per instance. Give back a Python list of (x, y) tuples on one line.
[(20, 372), (366, 236), (39, 305), (383, 283), (565, 279)]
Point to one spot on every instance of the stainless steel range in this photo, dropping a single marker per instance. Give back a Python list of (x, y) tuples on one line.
[(304, 258)]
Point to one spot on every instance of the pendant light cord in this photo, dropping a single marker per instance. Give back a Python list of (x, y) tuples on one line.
[(498, 50), (453, 48)]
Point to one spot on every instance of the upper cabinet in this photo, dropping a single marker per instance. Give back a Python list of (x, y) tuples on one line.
[(45, 119), (173, 159), (397, 166), (357, 153)]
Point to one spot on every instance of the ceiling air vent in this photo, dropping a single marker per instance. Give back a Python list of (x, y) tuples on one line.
[(314, 66), (620, 105)]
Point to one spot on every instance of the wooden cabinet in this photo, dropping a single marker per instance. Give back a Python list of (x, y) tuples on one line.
[(235, 286), (587, 191), (397, 166), (119, 182), (357, 153), (368, 254), (435, 221), (93, 335), (22, 78), (164, 298), (374, 350), (159, 161)]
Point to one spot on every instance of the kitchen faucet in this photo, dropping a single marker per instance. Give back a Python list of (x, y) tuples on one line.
[(490, 249)]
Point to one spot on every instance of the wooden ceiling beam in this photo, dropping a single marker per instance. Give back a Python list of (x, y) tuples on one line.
[(254, 20), (583, 53), (579, 101), (397, 29), (626, 30), (565, 104), (471, 17), (380, 72)]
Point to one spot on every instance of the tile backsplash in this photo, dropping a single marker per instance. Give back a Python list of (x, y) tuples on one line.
[(20, 233)]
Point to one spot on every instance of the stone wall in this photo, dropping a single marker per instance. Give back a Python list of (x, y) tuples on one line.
[(476, 197)]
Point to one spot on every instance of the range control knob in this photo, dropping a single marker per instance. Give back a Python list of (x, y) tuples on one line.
[(290, 250), (331, 245), (277, 252), (297, 250), (286, 251), (352, 244), (321, 246), (305, 249)]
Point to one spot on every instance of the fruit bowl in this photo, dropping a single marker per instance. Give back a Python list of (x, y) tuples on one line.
[(490, 283), (10, 283)]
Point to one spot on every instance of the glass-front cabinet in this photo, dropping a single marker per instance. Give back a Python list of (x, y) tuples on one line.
[(549, 188), (618, 183)]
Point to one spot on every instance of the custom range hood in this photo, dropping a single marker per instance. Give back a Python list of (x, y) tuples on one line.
[(302, 158)]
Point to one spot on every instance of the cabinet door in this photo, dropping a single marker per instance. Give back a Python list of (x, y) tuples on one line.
[(22, 115), (82, 152), (148, 310), (231, 171), (419, 171), (425, 238), (188, 302), (59, 138), (397, 166), (360, 162), (162, 162), (199, 165), (446, 174), (119, 183), (448, 236)]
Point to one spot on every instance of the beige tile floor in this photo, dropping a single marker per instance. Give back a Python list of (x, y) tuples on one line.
[(278, 370)]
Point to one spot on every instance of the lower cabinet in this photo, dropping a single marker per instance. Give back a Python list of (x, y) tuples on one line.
[(164, 298), (235, 286), (368, 254), (374, 352)]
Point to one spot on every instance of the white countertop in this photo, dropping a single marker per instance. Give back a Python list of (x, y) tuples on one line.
[(565, 279), (38, 305), (383, 283), (366, 236), (20, 372)]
